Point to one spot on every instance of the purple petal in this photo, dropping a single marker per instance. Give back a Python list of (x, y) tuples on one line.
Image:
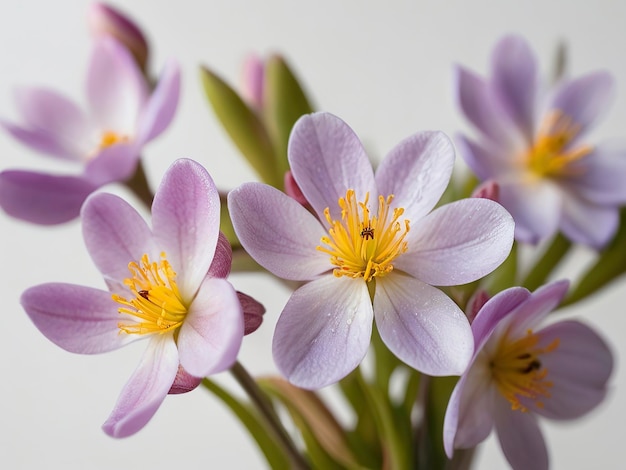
[(78, 319), (587, 223), (113, 164), (535, 205), (253, 80), (485, 162), (481, 107), (585, 99), (520, 437), (494, 310), (469, 416), (186, 220), (278, 232), (327, 158), (161, 106), (47, 113), (39, 141), (579, 369), (41, 198), (184, 382), (323, 332), (116, 89), (223, 259), (211, 335), (417, 172), (515, 81), (147, 388), (458, 243), (422, 326), (253, 312), (600, 176), (541, 302), (115, 234)]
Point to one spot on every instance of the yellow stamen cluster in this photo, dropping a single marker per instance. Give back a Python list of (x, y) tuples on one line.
[(518, 372), (551, 154), (157, 304), (109, 138), (362, 245)]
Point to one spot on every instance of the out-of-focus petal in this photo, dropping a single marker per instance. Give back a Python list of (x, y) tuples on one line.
[(520, 437), (76, 318), (39, 141), (326, 159), (211, 335), (578, 368), (417, 172), (515, 81), (535, 205), (42, 198), (253, 312), (185, 221), (458, 243), (323, 332), (147, 388), (485, 163), (253, 80), (585, 99), (278, 232), (112, 164), (600, 176), (115, 234), (588, 223), (48, 112), (422, 326), (223, 259), (116, 89), (481, 107), (161, 106)]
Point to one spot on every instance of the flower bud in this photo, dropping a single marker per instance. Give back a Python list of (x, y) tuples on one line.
[(104, 20), (253, 81)]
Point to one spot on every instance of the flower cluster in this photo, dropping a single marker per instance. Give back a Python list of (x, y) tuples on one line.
[(394, 267)]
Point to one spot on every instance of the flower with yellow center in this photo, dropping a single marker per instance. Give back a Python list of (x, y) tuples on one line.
[(520, 370), (549, 177), (370, 248), (104, 141), (167, 285)]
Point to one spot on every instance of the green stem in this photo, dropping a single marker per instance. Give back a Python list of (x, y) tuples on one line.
[(138, 184), (550, 259), (264, 407)]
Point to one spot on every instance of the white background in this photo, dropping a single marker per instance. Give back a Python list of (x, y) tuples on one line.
[(385, 68)]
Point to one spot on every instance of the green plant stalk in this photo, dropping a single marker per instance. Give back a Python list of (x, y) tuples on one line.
[(138, 184), (551, 258)]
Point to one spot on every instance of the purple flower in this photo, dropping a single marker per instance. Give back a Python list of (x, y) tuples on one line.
[(372, 249), (105, 141), (518, 371), (166, 285), (532, 146)]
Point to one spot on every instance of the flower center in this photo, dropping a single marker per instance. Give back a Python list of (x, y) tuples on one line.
[(518, 372), (552, 152), (109, 138), (362, 245), (157, 305)]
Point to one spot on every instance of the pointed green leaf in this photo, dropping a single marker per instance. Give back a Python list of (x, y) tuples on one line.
[(243, 126), (285, 101)]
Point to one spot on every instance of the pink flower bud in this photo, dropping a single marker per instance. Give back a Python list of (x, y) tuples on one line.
[(488, 190), (293, 190), (184, 382), (475, 303), (252, 312), (253, 81), (104, 20)]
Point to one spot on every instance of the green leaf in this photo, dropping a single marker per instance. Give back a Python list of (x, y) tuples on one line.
[(285, 101), (550, 259), (244, 128), (272, 452), (326, 440)]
